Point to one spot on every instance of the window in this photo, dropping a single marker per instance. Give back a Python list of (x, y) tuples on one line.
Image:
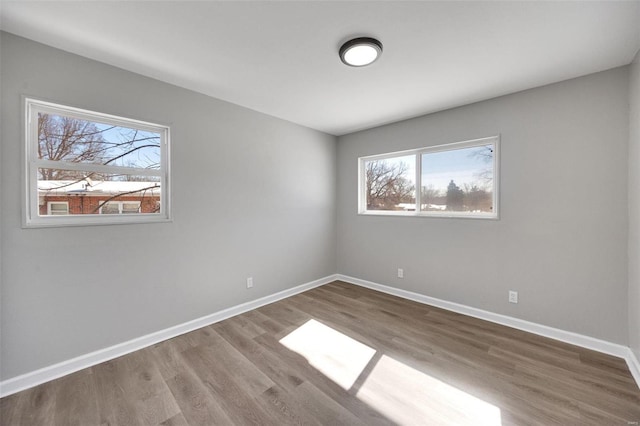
[(454, 180), (119, 207), (56, 208), (87, 168)]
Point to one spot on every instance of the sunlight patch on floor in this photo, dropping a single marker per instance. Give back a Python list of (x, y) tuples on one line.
[(408, 396), (336, 355), (399, 392)]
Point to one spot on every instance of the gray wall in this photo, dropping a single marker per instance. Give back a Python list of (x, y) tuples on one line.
[(252, 195), (561, 240), (634, 208)]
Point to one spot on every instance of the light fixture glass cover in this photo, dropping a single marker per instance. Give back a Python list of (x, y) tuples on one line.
[(360, 51)]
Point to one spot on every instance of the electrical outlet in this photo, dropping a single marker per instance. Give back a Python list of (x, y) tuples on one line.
[(249, 282), (513, 296), (400, 273)]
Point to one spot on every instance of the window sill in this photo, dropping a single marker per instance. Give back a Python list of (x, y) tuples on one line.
[(94, 220), (451, 215)]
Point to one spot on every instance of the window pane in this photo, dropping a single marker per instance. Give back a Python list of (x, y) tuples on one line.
[(58, 208), (86, 192), (62, 138), (390, 183), (458, 180), (110, 208), (130, 207)]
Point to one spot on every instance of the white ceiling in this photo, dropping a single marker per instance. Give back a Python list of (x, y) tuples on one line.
[(281, 58)]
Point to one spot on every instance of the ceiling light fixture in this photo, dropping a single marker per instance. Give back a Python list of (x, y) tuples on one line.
[(360, 51)]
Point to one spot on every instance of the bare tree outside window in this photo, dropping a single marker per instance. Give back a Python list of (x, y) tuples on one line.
[(478, 198), (74, 140), (389, 184), (67, 139), (432, 198), (485, 155)]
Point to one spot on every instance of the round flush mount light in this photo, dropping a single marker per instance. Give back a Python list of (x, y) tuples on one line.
[(360, 51)]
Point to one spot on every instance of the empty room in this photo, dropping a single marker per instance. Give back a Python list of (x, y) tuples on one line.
[(319, 212)]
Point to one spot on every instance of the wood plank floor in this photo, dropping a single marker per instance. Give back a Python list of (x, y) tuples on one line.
[(341, 355)]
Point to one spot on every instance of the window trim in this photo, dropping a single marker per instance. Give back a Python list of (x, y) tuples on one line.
[(362, 196), (31, 217)]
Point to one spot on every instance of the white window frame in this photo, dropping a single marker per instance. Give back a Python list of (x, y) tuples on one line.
[(31, 216), (362, 195), (120, 204), (49, 210)]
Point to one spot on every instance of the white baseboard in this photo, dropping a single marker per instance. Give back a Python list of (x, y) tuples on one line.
[(587, 342), (34, 378), (634, 366)]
